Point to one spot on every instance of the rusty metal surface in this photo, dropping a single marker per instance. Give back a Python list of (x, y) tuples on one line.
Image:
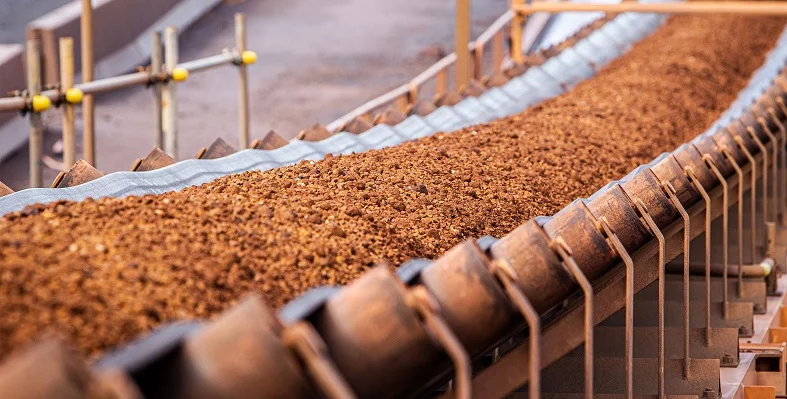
[(688, 157), (156, 159), (705, 145), (422, 108), (317, 132), (541, 276), (466, 268), (271, 141), (667, 169), (217, 149), (646, 343), (358, 125), (564, 332), (208, 365), (80, 173), (5, 190), (391, 116), (615, 205), (578, 229), (48, 370), (371, 316), (450, 98), (609, 376), (754, 292)]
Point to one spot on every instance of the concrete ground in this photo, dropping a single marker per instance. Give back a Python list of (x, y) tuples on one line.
[(317, 61), (16, 14)]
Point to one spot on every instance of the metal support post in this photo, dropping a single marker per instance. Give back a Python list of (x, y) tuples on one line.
[(88, 103), (462, 38), (706, 198), (753, 200), (672, 195), (654, 229), (156, 61), (739, 174), (168, 96), (243, 83), (66, 83), (563, 251), (725, 221), (33, 57), (517, 22), (507, 277)]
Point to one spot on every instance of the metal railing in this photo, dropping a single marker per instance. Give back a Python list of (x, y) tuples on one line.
[(406, 95), (161, 75)]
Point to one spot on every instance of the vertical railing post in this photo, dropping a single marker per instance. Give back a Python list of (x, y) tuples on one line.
[(462, 38), (497, 51), (517, 53), (441, 84), (88, 104), (478, 61), (33, 58), (243, 83), (168, 97), (412, 95), (66, 83), (156, 61)]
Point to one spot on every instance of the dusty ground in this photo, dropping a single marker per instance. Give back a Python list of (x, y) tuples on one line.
[(15, 15), (317, 60)]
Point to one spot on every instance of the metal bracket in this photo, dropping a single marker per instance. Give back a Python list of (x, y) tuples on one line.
[(563, 251), (783, 162), (764, 151), (774, 166), (602, 224), (698, 186), (725, 230), (503, 271), (753, 195), (428, 310), (672, 195), (739, 173), (642, 210), (307, 345)]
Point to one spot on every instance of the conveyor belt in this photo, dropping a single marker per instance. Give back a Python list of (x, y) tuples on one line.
[(555, 76), (393, 320)]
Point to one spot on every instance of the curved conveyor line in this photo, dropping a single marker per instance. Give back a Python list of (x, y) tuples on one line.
[(548, 80)]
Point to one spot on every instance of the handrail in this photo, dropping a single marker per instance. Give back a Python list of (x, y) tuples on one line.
[(496, 26), (121, 81), (693, 7), (433, 70), (414, 84)]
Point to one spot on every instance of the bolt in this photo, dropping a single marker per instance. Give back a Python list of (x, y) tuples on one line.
[(744, 331), (728, 360), (709, 393)]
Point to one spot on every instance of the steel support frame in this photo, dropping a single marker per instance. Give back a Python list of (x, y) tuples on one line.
[(563, 332)]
